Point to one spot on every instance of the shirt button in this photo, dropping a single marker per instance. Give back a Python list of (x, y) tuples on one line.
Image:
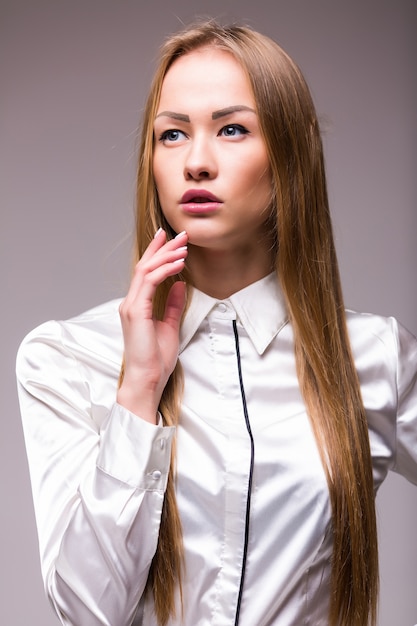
[(156, 474), (222, 307)]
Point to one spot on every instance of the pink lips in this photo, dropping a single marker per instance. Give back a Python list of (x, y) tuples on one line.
[(199, 201)]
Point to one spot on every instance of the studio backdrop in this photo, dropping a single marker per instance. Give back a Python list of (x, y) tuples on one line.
[(74, 74)]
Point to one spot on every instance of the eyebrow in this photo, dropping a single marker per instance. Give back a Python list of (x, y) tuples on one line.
[(214, 116), (175, 116), (233, 109)]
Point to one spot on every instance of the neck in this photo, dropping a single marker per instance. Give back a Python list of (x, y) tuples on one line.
[(220, 273)]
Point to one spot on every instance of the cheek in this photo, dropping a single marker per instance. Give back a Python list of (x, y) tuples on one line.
[(166, 194), (156, 170), (165, 173), (258, 180), (160, 180), (255, 170)]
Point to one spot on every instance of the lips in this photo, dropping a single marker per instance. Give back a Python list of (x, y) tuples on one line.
[(200, 202), (198, 196)]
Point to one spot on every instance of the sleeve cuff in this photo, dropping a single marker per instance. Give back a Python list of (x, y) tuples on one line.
[(134, 451)]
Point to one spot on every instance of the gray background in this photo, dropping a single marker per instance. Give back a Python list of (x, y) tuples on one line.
[(73, 78)]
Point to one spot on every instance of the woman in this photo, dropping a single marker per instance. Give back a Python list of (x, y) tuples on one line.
[(227, 476)]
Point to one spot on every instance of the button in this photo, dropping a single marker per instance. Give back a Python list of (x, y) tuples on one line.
[(156, 474), (222, 307)]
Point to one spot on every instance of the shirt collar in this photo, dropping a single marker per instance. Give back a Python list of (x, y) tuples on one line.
[(260, 308)]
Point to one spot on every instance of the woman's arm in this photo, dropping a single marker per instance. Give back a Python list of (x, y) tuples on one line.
[(99, 471), (98, 484)]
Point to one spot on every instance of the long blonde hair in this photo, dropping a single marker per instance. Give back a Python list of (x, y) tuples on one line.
[(307, 268)]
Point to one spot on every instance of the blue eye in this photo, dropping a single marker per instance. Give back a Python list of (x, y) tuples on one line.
[(172, 136), (233, 130)]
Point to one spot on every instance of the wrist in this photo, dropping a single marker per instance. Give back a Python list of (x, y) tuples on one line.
[(143, 406)]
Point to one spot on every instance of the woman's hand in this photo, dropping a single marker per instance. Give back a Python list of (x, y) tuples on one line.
[(151, 346)]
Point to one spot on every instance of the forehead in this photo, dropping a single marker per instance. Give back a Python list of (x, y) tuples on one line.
[(206, 77)]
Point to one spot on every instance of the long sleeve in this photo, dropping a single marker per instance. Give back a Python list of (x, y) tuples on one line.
[(386, 359), (406, 431), (98, 476)]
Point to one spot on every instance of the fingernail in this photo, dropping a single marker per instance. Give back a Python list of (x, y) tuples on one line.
[(179, 234), (157, 233)]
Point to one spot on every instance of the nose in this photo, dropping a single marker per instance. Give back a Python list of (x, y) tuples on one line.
[(200, 162)]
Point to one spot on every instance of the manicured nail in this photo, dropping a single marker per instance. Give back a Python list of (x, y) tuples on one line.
[(157, 233), (179, 234)]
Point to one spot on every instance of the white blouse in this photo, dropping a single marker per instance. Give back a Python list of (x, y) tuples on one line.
[(251, 489)]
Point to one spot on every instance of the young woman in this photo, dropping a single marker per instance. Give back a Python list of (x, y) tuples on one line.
[(207, 451)]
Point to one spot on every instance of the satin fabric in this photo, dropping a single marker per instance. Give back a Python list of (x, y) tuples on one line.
[(99, 472)]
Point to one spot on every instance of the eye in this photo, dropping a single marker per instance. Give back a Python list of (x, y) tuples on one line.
[(233, 130), (172, 136)]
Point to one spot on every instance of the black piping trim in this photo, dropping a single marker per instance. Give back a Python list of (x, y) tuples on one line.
[(252, 457)]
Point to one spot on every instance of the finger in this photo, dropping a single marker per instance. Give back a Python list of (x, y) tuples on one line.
[(175, 305), (157, 242), (157, 255), (147, 276), (160, 243), (143, 287), (164, 256)]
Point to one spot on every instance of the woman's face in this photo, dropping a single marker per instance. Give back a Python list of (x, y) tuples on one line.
[(210, 163)]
